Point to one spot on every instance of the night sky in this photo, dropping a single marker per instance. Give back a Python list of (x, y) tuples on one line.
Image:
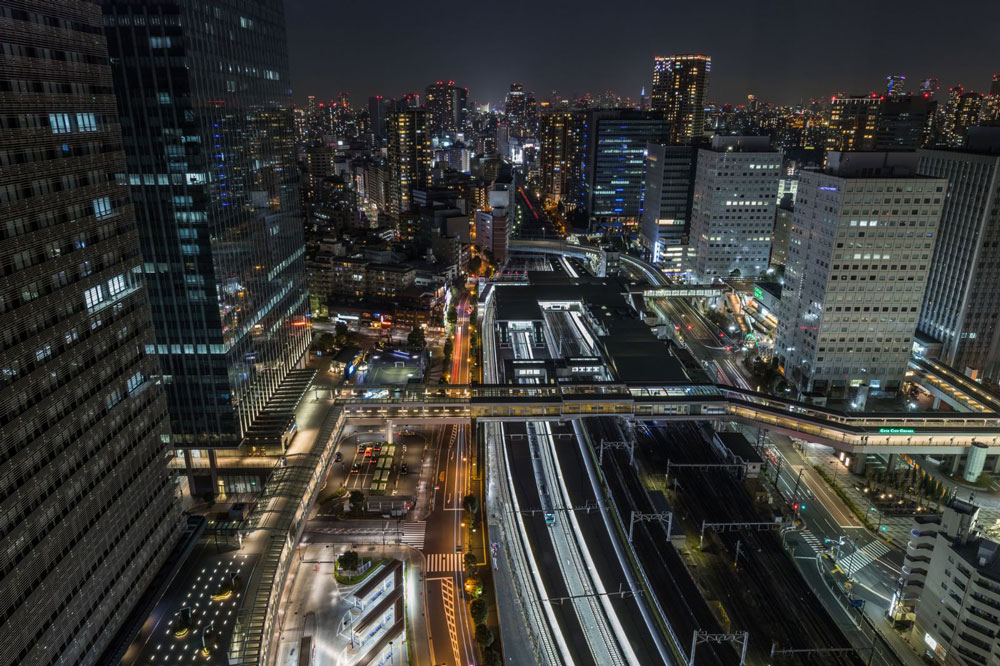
[(781, 50)]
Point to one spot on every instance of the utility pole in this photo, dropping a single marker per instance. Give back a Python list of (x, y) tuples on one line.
[(795, 492)]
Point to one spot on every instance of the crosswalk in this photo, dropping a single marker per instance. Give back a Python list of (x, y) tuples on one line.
[(443, 562), (862, 557), (414, 533), (811, 540)]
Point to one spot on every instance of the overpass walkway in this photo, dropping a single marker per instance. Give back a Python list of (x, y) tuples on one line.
[(936, 432)]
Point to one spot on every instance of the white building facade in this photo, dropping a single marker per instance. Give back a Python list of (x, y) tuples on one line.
[(858, 257), (732, 209)]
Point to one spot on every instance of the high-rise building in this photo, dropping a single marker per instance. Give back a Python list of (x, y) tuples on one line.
[(991, 109), (378, 107), (680, 83), (732, 209), (447, 107), (872, 122), (409, 155), (962, 112), (613, 165), (561, 157), (666, 207), (962, 302), (210, 158), (895, 85), (861, 244), (515, 104), (88, 509), (853, 122), (904, 122)]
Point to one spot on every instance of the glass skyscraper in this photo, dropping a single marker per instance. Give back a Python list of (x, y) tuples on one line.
[(203, 92), (87, 507)]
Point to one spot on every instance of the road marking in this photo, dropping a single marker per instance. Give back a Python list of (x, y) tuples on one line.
[(448, 597), (811, 540), (443, 562), (861, 558), (414, 533)]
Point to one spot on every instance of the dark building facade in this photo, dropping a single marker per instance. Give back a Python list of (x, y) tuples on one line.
[(203, 92), (87, 508), (614, 162)]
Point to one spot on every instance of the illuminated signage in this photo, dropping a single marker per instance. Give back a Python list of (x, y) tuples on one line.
[(896, 431), (758, 293)]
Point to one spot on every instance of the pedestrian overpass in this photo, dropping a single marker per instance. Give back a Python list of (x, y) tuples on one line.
[(662, 286), (855, 433)]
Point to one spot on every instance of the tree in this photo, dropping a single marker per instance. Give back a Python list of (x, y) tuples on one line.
[(357, 501), (471, 504), (493, 658), (471, 561), (452, 315), (340, 334), (735, 273), (478, 610), (484, 636), (350, 560), (416, 337), (448, 348), (476, 265)]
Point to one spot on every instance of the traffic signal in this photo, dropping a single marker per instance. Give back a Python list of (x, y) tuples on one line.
[(795, 506), (884, 528), (803, 507)]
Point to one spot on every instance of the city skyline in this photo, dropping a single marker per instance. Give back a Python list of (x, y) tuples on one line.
[(775, 57)]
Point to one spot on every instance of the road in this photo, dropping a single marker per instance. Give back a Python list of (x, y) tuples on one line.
[(450, 627)]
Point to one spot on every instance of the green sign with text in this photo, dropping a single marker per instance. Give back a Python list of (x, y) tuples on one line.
[(758, 293), (896, 431)]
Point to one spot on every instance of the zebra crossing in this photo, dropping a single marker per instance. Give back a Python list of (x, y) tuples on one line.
[(443, 562), (811, 540), (414, 533), (862, 557)]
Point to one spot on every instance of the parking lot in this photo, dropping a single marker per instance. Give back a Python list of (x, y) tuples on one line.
[(365, 461)]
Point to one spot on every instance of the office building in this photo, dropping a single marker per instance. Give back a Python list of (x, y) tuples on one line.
[(447, 107), (409, 153), (210, 161), (860, 251), (853, 121), (732, 209), (666, 209), (961, 304), (680, 83), (561, 157), (87, 508), (613, 165), (904, 122), (378, 107), (515, 105), (871, 122), (951, 579)]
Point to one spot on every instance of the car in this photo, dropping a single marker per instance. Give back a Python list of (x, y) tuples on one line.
[(338, 456), (355, 468), (404, 469), (458, 548)]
